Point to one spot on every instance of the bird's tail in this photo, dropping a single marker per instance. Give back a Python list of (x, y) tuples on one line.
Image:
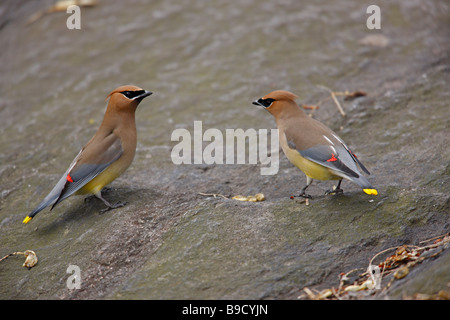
[(371, 191), (44, 204), (364, 184), (49, 200)]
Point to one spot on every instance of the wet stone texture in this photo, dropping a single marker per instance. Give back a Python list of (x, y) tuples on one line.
[(208, 62)]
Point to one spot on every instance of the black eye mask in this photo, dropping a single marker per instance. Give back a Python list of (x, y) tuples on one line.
[(264, 102)]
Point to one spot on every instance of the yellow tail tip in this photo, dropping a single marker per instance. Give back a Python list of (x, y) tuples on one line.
[(371, 191), (27, 219)]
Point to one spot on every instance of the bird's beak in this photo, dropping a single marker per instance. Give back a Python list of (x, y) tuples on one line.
[(257, 103), (142, 96)]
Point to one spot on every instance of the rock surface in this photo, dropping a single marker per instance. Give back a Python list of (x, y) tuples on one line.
[(208, 62)]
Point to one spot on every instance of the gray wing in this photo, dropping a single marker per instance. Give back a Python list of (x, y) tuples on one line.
[(81, 172)]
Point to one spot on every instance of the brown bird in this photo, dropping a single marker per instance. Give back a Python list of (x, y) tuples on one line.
[(311, 146), (106, 156)]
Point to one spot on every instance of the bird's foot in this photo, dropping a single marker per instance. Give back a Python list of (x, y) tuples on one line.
[(334, 191), (113, 206), (302, 195)]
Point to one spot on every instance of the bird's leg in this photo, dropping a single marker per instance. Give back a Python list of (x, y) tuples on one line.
[(303, 191), (338, 187), (105, 189), (337, 190), (109, 205)]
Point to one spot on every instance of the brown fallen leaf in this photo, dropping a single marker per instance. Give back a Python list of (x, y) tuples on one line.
[(353, 95), (375, 40), (257, 197), (30, 261), (61, 5), (310, 107), (401, 273)]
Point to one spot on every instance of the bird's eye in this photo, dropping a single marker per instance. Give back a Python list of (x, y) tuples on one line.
[(266, 102), (132, 94), (127, 94)]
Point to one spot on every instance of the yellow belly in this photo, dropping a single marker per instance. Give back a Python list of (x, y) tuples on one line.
[(103, 179), (311, 169)]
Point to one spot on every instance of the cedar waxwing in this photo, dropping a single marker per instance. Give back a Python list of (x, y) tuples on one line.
[(311, 146), (106, 156)]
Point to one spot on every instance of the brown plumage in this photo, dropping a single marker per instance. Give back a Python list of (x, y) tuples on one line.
[(106, 156), (311, 146)]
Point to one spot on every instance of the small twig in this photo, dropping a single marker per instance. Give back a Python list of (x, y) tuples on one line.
[(215, 195), (7, 256), (336, 101), (343, 278), (333, 96), (434, 238), (310, 294), (381, 252), (30, 261)]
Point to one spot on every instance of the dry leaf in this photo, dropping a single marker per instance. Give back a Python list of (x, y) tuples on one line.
[(310, 107), (255, 198), (354, 95), (375, 40), (31, 259), (401, 273)]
